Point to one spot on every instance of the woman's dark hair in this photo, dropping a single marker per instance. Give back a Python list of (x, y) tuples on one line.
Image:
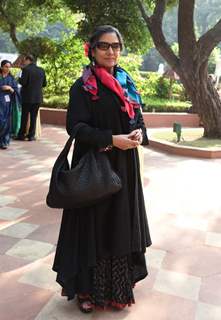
[(98, 32), (4, 62)]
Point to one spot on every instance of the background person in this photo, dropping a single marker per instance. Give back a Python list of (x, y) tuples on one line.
[(100, 251), (32, 79), (9, 98)]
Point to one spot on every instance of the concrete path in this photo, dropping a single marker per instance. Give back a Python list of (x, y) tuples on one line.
[(184, 211)]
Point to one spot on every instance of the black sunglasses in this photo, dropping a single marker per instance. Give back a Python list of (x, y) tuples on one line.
[(116, 46)]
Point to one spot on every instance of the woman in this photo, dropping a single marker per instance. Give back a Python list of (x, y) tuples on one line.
[(100, 251), (8, 98)]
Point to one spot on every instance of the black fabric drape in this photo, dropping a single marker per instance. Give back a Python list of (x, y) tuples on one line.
[(118, 225)]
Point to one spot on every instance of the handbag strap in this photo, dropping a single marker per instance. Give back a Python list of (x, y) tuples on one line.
[(68, 144)]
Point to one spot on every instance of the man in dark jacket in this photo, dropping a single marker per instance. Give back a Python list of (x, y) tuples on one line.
[(32, 79)]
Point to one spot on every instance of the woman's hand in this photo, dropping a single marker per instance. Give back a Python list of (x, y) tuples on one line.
[(124, 141), (136, 135), (7, 88)]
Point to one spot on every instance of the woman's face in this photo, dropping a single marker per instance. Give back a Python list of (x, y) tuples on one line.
[(6, 68), (104, 56)]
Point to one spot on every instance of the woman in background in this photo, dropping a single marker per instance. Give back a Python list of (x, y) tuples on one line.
[(8, 96)]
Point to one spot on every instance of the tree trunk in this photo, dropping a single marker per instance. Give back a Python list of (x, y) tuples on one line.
[(191, 64), (205, 99), (209, 109), (13, 35)]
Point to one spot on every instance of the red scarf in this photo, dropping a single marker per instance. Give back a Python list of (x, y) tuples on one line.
[(107, 79)]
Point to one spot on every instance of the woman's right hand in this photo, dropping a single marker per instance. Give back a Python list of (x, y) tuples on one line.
[(124, 142)]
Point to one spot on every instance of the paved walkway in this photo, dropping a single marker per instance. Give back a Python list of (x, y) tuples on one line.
[(184, 211)]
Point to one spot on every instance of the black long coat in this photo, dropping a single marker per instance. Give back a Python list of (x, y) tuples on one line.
[(118, 225), (33, 79)]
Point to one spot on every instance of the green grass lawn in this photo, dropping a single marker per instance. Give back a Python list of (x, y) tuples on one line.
[(158, 104), (190, 137), (165, 105)]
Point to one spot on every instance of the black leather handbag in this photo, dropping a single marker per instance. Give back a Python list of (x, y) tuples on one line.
[(90, 181)]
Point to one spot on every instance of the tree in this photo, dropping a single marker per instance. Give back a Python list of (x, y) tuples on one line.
[(118, 12), (191, 64), (16, 14), (64, 64), (37, 46), (12, 13)]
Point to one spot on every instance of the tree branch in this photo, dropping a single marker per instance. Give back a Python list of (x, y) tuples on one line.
[(209, 40), (143, 12), (154, 24), (159, 10), (11, 26), (13, 35), (186, 34)]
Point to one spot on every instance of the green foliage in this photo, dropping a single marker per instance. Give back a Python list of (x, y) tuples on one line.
[(145, 82), (37, 46), (147, 87), (162, 87), (64, 65), (17, 12), (56, 101), (151, 103), (179, 92), (123, 15), (166, 88), (150, 84), (165, 105), (15, 72), (65, 16), (132, 63), (28, 17), (71, 61), (12, 11)]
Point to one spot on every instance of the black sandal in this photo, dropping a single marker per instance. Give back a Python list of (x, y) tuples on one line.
[(85, 304)]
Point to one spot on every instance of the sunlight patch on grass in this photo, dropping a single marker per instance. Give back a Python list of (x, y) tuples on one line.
[(190, 138)]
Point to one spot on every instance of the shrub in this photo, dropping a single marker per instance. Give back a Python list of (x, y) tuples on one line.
[(163, 87), (149, 84), (179, 92), (165, 105), (151, 103), (64, 65), (58, 102)]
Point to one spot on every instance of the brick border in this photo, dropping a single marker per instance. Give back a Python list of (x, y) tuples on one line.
[(184, 150), (152, 120), (53, 116), (166, 120)]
